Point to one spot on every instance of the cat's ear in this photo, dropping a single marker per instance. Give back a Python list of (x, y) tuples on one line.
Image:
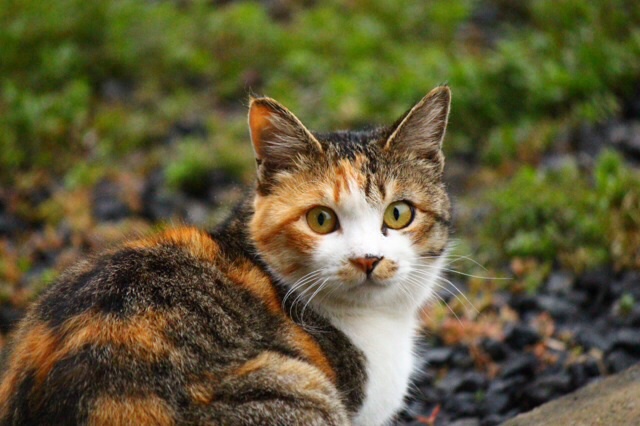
[(278, 137), (422, 129)]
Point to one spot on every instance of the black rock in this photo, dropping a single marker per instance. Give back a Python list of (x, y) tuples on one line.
[(495, 349), (457, 381), (107, 202), (10, 225), (597, 283), (509, 385), (625, 136), (438, 356), (461, 357), (629, 340), (619, 360), (545, 388), (633, 319), (496, 402), (519, 336), (522, 364), (523, 303), (560, 283), (583, 373), (467, 421), (558, 308), (493, 420), (588, 337), (461, 405), (158, 203)]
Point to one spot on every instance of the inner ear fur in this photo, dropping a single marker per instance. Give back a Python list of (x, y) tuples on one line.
[(422, 129), (277, 135)]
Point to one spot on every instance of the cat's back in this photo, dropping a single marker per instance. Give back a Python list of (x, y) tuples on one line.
[(161, 331)]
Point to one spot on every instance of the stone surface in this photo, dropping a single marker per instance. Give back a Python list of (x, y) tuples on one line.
[(611, 401)]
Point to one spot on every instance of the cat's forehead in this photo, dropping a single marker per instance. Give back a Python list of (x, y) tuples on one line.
[(350, 144)]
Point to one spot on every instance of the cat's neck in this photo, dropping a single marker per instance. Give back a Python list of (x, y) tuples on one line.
[(233, 234)]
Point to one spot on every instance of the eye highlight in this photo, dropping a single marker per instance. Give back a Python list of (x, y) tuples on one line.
[(398, 215), (322, 220)]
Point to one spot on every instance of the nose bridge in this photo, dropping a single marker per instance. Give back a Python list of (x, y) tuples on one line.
[(365, 238)]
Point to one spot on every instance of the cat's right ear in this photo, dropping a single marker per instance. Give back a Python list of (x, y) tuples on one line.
[(278, 137)]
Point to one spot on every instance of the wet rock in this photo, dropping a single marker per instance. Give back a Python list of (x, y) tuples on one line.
[(625, 136), (545, 388), (9, 224), (108, 204), (507, 385), (496, 402), (458, 381), (158, 203), (493, 420), (619, 360), (629, 340), (519, 336), (438, 356), (521, 364), (495, 349), (462, 404), (560, 283), (558, 308), (461, 357), (523, 303), (583, 373), (471, 421), (588, 337)]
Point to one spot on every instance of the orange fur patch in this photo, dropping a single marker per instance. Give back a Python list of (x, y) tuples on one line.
[(311, 350), (40, 347), (202, 391), (296, 373), (248, 276), (36, 343), (141, 334), (196, 242), (148, 410)]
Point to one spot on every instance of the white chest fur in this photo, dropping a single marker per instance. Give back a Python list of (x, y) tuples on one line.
[(387, 342)]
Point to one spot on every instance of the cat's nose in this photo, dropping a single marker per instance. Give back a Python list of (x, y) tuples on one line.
[(366, 264)]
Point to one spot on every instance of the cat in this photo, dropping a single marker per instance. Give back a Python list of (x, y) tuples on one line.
[(300, 309)]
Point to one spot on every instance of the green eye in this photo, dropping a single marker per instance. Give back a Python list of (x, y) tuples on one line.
[(322, 220), (398, 215)]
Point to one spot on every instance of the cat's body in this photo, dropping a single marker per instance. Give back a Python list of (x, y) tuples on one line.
[(300, 309)]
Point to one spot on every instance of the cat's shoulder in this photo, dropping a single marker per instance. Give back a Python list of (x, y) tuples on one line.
[(180, 268)]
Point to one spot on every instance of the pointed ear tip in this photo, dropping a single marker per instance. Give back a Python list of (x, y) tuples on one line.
[(442, 92)]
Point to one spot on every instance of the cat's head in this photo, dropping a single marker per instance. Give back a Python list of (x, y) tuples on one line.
[(352, 217)]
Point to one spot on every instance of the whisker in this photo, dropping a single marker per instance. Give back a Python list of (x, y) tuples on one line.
[(431, 275), (441, 299)]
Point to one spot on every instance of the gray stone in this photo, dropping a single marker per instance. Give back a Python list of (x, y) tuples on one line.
[(612, 401)]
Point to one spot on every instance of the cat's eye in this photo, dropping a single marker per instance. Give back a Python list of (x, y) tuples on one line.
[(398, 215), (322, 220)]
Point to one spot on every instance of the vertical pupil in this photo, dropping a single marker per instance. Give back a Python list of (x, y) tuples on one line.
[(321, 218), (396, 213)]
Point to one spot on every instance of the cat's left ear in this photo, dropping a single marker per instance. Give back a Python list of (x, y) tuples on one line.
[(421, 130), (278, 137)]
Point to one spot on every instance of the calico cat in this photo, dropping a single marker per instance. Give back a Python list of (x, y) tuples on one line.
[(300, 309)]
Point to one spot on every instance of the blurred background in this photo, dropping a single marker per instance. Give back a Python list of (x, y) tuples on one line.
[(121, 117)]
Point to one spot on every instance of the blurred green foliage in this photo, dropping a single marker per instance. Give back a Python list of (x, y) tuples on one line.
[(581, 220), (358, 62)]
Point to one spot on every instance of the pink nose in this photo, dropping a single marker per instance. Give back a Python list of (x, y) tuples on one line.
[(366, 264)]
